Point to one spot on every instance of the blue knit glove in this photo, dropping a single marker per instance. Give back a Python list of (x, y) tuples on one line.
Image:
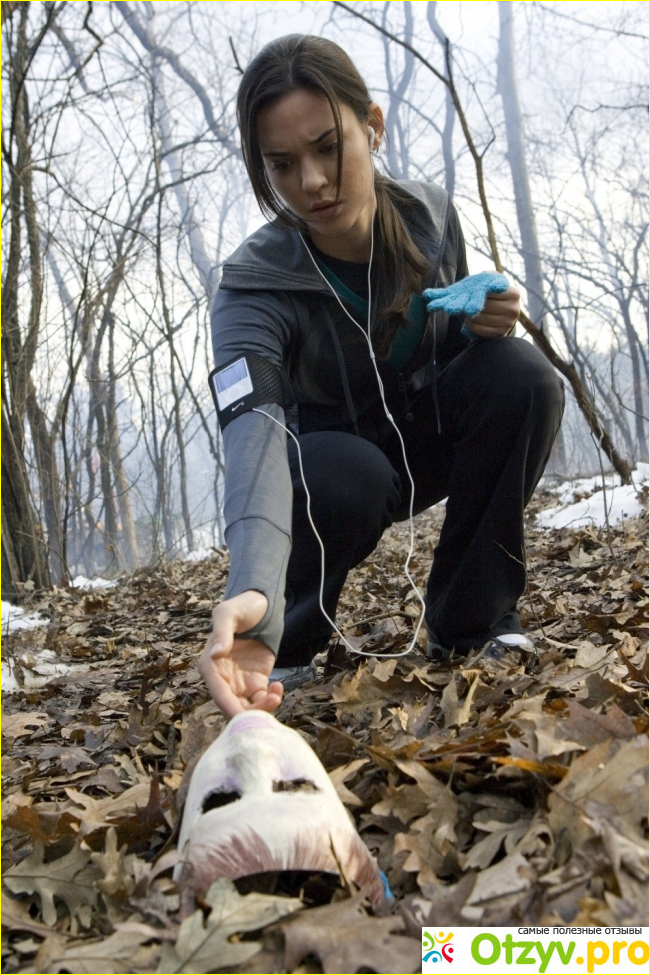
[(466, 297)]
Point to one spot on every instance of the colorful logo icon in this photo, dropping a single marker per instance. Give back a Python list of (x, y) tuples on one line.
[(437, 947)]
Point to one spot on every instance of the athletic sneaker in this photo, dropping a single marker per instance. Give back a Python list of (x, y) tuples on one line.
[(436, 652), (494, 649), (292, 677)]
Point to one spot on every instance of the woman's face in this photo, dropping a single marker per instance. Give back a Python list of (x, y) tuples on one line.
[(297, 138)]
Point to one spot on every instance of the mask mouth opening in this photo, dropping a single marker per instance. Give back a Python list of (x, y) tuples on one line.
[(218, 798), (315, 888)]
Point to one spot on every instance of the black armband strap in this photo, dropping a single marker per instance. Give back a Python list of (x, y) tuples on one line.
[(246, 381)]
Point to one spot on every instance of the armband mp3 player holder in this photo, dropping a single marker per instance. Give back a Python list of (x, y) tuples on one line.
[(246, 381)]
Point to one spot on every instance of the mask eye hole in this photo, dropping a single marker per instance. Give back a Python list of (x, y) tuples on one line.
[(295, 785), (217, 799)]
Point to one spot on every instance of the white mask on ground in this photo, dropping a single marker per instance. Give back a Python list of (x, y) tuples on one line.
[(260, 800)]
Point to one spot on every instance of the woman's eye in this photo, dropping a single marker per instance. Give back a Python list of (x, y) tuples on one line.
[(330, 147), (280, 167)]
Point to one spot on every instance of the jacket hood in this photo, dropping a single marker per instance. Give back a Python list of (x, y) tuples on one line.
[(274, 257)]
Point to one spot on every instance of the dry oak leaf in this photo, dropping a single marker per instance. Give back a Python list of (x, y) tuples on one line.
[(346, 939), (510, 876), (15, 917), (611, 776), (340, 775), (457, 713), (23, 723), (70, 879), (431, 836), (408, 801), (404, 802), (484, 851), (423, 858), (204, 944), (117, 868), (549, 735), (112, 956), (98, 813)]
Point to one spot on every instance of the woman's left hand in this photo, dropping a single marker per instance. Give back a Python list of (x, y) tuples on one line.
[(498, 317)]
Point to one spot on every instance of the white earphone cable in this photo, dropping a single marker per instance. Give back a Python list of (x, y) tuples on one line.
[(389, 416)]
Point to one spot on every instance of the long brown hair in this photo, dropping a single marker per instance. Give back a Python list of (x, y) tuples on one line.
[(305, 61)]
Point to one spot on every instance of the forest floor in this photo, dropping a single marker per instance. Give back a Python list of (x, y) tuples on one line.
[(509, 792)]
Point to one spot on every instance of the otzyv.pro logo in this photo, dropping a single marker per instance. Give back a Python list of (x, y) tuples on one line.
[(436, 947), (547, 951)]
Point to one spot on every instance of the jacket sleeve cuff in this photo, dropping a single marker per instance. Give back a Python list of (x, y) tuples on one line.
[(248, 540)]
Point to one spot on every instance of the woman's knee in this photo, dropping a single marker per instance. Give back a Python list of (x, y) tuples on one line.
[(515, 371)]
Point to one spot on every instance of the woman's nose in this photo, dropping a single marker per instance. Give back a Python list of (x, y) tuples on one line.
[(313, 177)]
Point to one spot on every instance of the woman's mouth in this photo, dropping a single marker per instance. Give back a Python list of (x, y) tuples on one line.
[(322, 212)]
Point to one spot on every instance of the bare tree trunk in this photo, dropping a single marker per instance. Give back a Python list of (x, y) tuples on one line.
[(450, 111), (97, 386), (48, 479), (397, 146), (22, 551), (129, 546), (23, 555), (534, 275), (507, 87), (159, 462), (204, 266), (176, 408)]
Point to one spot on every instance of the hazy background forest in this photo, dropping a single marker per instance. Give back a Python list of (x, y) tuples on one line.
[(124, 191)]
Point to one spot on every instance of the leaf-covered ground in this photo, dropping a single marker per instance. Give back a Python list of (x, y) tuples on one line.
[(491, 792)]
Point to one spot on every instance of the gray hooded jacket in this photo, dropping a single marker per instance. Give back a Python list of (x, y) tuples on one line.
[(273, 302)]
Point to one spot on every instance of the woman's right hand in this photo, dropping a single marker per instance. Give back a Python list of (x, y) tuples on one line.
[(237, 671)]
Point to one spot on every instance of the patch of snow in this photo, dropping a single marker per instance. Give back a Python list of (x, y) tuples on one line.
[(620, 501), (16, 618), (200, 553), (82, 582), (37, 670)]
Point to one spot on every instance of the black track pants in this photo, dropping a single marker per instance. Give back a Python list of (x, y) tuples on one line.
[(500, 409)]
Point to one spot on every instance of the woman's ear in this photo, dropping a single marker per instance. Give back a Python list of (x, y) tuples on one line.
[(376, 122)]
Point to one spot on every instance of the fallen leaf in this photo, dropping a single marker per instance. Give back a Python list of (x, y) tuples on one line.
[(384, 669), (578, 557), (204, 944), (23, 723), (457, 713), (112, 955), (548, 734), (345, 939), (70, 879), (15, 917), (509, 876), (613, 774), (483, 853), (340, 775), (116, 867), (404, 802), (97, 814)]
